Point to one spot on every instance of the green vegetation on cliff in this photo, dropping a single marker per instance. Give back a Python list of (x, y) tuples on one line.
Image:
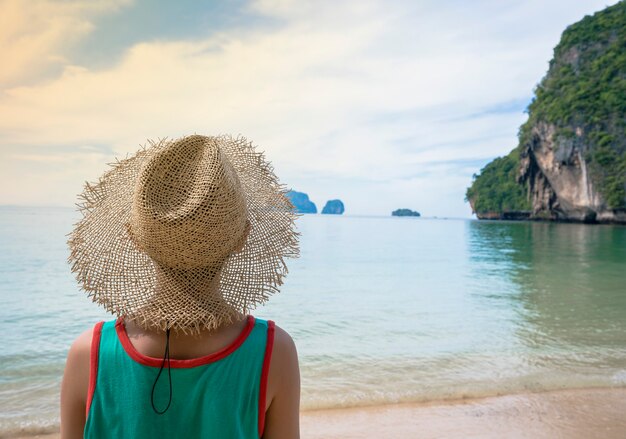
[(583, 96), (586, 83), (496, 188)]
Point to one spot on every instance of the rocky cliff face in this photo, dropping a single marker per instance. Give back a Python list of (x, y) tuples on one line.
[(558, 178)]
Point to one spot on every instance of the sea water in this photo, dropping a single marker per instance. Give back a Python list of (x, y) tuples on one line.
[(382, 309)]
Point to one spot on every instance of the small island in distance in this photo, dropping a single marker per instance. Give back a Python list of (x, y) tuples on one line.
[(333, 207), (301, 202), (405, 212)]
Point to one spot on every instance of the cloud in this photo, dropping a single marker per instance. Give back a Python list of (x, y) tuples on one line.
[(40, 158), (365, 91), (35, 35)]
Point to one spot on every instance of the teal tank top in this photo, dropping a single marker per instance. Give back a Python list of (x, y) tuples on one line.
[(221, 395)]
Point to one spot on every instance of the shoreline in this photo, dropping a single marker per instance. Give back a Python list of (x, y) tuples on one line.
[(572, 413)]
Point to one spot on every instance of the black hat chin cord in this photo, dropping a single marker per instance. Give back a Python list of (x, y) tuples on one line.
[(166, 357)]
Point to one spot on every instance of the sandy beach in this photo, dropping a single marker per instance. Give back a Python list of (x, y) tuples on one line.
[(572, 414)]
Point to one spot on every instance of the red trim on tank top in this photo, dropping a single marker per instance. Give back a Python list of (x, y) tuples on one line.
[(140, 358), (269, 346), (93, 365)]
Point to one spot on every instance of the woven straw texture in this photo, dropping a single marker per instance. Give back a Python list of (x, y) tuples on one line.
[(186, 234)]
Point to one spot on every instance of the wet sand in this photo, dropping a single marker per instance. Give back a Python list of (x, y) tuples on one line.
[(572, 414)]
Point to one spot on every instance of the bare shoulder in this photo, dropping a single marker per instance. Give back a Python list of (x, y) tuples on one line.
[(78, 362), (284, 360), (284, 373), (283, 343), (74, 386), (81, 347), (83, 340), (283, 398)]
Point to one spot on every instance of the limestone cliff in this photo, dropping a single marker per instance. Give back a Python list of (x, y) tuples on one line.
[(558, 178), (570, 163)]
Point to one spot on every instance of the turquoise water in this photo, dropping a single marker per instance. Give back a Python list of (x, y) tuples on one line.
[(382, 309)]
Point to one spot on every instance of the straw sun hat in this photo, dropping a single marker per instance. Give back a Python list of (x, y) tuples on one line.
[(185, 234)]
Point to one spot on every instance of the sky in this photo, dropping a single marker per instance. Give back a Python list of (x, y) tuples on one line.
[(383, 104)]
